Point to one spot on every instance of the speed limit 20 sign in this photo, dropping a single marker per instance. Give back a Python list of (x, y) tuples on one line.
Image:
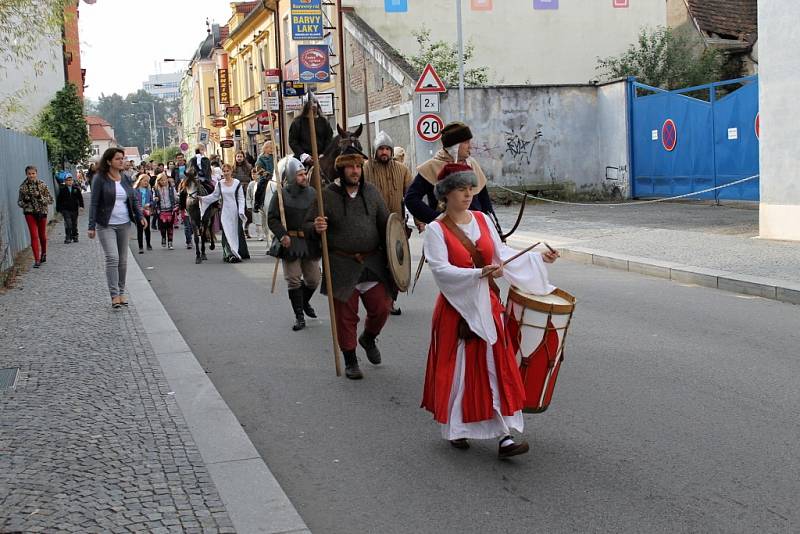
[(429, 127)]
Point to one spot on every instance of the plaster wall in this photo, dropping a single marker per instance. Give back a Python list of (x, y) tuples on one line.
[(780, 119), (519, 44)]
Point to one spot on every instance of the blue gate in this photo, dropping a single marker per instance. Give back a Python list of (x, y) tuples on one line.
[(695, 139)]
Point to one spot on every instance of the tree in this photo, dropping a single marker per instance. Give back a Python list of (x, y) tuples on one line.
[(28, 27), (62, 125), (164, 155), (666, 59), (444, 58), (131, 118)]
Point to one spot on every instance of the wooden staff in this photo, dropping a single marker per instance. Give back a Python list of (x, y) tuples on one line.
[(326, 264), (279, 185), (512, 258)]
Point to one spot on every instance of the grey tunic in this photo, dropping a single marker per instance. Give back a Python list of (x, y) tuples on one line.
[(355, 225)]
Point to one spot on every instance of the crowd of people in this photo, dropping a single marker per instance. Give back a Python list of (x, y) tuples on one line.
[(472, 385)]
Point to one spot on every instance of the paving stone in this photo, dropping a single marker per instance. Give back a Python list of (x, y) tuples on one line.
[(90, 439)]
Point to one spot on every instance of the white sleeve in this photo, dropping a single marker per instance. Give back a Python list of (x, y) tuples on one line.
[(528, 272), (462, 287), (240, 199), (209, 199)]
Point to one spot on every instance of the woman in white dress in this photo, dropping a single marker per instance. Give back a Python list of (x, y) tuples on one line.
[(230, 194), (472, 383)]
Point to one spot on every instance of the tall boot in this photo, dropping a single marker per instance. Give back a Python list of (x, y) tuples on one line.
[(296, 298), (367, 341), (351, 369), (307, 293)]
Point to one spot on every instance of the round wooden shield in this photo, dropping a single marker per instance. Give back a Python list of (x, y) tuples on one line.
[(398, 252)]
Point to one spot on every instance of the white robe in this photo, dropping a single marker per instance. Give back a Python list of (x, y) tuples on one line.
[(230, 216), (469, 295)]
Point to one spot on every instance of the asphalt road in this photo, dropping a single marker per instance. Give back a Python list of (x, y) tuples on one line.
[(676, 409)]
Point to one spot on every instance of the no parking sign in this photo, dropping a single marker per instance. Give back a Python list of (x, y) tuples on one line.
[(669, 135)]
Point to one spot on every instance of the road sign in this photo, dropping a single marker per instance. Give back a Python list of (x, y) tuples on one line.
[(429, 103), (429, 127), (184, 146), (669, 135), (219, 123), (429, 81)]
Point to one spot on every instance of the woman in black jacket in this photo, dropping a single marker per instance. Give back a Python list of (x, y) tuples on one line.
[(111, 211)]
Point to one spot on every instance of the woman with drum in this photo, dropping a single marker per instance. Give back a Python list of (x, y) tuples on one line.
[(472, 384)]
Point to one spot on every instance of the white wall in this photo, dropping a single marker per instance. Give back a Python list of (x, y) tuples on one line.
[(521, 45), (779, 64), (25, 89)]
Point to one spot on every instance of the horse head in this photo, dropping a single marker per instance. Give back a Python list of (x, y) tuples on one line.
[(347, 139)]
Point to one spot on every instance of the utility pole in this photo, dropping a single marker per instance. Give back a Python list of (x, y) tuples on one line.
[(342, 80), (460, 63)]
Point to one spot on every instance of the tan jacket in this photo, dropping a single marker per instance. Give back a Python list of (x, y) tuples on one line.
[(392, 180)]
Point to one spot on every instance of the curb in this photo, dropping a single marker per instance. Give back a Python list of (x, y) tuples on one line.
[(251, 494), (768, 288)]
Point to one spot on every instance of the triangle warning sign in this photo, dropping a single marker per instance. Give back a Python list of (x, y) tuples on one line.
[(429, 81)]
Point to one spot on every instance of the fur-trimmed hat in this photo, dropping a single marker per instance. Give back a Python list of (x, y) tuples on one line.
[(350, 156), (455, 133), (453, 176)]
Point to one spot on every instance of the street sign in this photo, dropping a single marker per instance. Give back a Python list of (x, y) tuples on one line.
[(429, 103), (233, 110), (314, 63), (307, 20), (264, 117), (292, 103), (429, 127), (226, 143), (202, 135), (669, 135), (293, 88), (184, 146), (219, 123), (272, 76), (325, 102), (429, 81)]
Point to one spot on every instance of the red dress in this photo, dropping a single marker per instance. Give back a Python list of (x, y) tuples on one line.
[(477, 400)]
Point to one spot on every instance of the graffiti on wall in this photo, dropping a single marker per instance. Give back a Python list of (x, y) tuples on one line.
[(519, 147)]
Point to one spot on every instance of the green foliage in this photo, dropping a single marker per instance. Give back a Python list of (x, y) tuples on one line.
[(28, 27), (664, 58), (132, 117), (62, 125), (163, 155), (444, 58)]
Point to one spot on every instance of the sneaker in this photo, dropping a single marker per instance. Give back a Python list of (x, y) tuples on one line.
[(75, 239), (67, 241), (141, 251), (188, 246), (149, 247), (163, 243), (170, 247), (44, 257), (36, 265)]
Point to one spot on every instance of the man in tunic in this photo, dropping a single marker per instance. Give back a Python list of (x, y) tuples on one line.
[(473, 387), (299, 255), (456, 147), (391, 178), (355, 222)]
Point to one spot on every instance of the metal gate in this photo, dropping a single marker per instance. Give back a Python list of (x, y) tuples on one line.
[(695, 139)]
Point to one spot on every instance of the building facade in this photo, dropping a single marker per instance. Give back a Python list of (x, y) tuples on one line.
[(101, 134)]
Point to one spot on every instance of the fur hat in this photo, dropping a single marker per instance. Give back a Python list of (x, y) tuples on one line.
[(455, 133), (453, 176), (349, 156), (383, 139)]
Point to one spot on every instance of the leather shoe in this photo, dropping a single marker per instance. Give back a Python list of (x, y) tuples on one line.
[(514, 449), (351, 369), (459, 443), (367, 341)]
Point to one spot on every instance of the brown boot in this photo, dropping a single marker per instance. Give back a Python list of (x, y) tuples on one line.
[(351, 369)]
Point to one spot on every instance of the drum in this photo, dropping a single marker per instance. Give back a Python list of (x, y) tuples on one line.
[(537, 328)]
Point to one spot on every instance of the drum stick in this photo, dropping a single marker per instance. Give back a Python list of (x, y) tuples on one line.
[(512, 258)]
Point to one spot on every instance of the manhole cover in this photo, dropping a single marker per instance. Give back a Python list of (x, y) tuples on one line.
[(8, 377)]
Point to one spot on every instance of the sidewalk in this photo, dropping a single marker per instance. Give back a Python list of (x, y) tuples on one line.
[(702, 244), (112, 425)]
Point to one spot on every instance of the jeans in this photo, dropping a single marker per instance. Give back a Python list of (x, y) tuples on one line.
[(187, 229), (70, 224), (114, 240)]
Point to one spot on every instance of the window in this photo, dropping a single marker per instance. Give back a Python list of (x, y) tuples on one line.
[(95, 150), (212, 102)]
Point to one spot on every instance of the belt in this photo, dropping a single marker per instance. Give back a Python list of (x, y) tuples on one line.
[(358, 256), (296, 233)]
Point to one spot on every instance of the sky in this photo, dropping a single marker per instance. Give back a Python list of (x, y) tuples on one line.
[(124, 41)]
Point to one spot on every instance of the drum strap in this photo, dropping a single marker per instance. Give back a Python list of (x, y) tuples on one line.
[(477, 258)]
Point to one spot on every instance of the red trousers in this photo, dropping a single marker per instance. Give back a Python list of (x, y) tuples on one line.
[(38, 229), (377, 303)]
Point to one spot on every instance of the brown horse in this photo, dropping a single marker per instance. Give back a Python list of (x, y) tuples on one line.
[(337, 145)]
